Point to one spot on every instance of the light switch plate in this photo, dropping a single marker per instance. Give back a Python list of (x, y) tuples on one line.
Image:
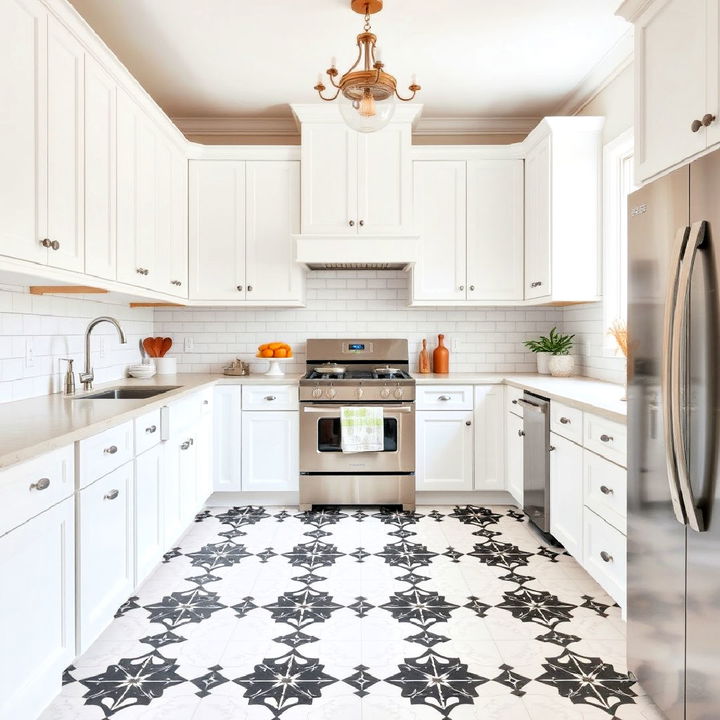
[(188, 344), (29, 353)]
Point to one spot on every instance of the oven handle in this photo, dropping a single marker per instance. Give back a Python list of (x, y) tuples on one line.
[(404, 409)]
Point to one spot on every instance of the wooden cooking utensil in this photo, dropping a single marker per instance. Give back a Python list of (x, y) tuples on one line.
[(149, 345), (158, 346), (166, 345)]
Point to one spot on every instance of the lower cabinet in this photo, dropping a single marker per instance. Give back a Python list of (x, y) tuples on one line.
[(566, 494), (270, 450), (444, 450), (180, 485), (605, 555), (37, 610), (105, 575), (148, 512), (514, 451), (489, 438), (227, 467)]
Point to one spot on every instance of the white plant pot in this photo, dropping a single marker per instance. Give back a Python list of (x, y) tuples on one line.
[(543, 359), (562, 365)]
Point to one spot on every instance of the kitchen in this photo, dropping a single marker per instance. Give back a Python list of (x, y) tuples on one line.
[(312, 407)]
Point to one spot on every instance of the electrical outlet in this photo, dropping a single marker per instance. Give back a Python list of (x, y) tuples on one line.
[(29, 353), (188, 345), (456, 344)]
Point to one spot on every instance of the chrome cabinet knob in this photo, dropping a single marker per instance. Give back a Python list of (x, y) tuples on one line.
[(606, 438), (521, 433), (606, 557), (185, 445), (462, 287), (270, 398), (110, 450), (45, 242), (444, 398), (111, 495), (551, 448), (695, 125), (514, 402), (150, 430), (468, 422), (536, 283), (351, 223), (176, 282), (708, 119), (472, 287), (565, 421), (41, 484), (249, 288), (605, 490), (239, 288), (361, 223)]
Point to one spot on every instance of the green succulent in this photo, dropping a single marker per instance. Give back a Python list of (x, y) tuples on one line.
[(555, 343)]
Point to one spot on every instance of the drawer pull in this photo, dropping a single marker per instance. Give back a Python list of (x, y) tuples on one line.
[(206, 402), (565, 421), (535, 284), (186, 445), (521, 433), (110, 450), (270, 398), (150, 430), (468, 422), (514, 402), (111, 495), (41, 484), (605, 490), (606, 557), (606, 438), (444, 398), (551, 448)]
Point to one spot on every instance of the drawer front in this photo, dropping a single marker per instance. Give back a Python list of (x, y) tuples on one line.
[(444, 397), (512, 395), (606, 437), (566, 421), (184, 413), (605, 555), (102, 453), (147, 431), (32, 487), (605, 489), (269, 397)]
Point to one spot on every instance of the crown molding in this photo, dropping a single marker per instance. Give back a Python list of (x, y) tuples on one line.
[(632, 9), (430, 126), (619, 57), (240, 126)]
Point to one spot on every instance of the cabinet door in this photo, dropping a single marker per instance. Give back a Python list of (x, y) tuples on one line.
[(105, 554), (514, 450), (173, 518), (385, 181), (217, 230), (37, 613), (495, 230), (537, 221), (188, 476), (273, 217), (177, 253), (164, 226), (671, 65), (65, 193), (23, 38), (205, 461), (329, 179), (489, 437), (444, 450), (227, 434), (439, 206), (99, 112), (270, 451), (147, 206), (566, 494), (148, 516)]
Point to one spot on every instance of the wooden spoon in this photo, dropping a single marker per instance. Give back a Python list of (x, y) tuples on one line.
[(149, 345), (166, 345)]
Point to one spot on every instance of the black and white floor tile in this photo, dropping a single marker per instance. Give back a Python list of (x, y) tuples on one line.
[(448, 613)]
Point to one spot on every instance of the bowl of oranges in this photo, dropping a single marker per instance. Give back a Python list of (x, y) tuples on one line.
[(276, 353)]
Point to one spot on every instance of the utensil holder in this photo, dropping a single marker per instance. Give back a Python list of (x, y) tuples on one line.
[(166, 365)]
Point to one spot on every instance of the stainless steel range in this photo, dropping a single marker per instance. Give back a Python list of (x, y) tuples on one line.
[(357, 373)]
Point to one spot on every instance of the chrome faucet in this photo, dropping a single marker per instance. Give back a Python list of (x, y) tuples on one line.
[(87, 377)]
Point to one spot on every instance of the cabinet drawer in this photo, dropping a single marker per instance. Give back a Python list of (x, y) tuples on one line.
[(32, 487), (444, 397), (181, 414), (605, 554), (512, 395), (566, 421), (269, 397), (606, 437), (147, 431), (605, 489), (102, 453)]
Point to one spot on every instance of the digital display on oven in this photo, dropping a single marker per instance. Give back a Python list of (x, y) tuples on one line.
[(356, 347)]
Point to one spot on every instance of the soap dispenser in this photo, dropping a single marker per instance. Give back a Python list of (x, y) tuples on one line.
[(69, 377)]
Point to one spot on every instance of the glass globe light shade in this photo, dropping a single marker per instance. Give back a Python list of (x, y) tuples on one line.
[(367, 114)]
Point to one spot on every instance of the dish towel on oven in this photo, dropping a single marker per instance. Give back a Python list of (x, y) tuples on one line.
[(361, 429)]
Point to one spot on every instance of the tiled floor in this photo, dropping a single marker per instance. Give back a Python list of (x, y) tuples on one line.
[(266, 613)]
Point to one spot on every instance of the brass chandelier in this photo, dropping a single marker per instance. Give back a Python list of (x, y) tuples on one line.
[(369, 91)]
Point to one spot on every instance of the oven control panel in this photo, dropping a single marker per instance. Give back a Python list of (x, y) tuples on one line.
[(326, 392)]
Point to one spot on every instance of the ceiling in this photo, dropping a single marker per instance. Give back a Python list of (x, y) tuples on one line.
[(251, 58)]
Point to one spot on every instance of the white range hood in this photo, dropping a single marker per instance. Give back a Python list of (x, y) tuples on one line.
[(359, 252)]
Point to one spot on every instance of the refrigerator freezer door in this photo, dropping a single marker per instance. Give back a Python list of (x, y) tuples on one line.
[(701, 411), (656, 540)]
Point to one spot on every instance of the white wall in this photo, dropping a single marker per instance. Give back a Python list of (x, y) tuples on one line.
[(56, 326), (357, 304)]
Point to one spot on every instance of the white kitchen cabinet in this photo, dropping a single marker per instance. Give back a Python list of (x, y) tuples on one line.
[(187, 451), (489, 438), (105, 574), (148, 496), (270, 450), (605, 555), (514, 452), (37, 610), (562, 210), (227, 468), (444, 450), (205, 459), (495, 232), (100, 169), (440, 217), (566, 494)]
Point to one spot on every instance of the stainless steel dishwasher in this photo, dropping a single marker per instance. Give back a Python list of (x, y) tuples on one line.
[(536, 459)]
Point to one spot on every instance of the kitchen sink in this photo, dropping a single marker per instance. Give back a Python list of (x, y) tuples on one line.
[(127, 393)]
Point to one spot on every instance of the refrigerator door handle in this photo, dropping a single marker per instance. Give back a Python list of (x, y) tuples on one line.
[(675, 262), (695, 241)]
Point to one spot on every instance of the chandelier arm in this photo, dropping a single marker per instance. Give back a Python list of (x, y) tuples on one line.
[(359, 58), (327, 99), (407, 99), (332, 80)]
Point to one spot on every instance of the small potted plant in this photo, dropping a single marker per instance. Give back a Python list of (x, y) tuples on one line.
[(552, 352)]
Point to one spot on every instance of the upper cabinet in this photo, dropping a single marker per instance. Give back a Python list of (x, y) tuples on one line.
[(677, 81)]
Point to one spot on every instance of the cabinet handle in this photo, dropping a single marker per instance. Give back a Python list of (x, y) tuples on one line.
[(468, 422), (606, 438), (606, 557), (514, 402), (110, 450), (472, 287), (176, 282), (111, 495), (249, 288), (565, 421), (41, 484), (521, 433), (185, 445), (361, 223), (150, 430), (551, 448), (239, 288), (695, 125), (351, 223), (462, 287), (444, 398), (708, 119), (142, 271), (206, 402), (270, 398), (535, 284), (605, 490), (45, 242)]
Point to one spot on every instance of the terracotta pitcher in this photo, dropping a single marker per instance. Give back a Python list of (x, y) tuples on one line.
[(424, 358), (441, 357)]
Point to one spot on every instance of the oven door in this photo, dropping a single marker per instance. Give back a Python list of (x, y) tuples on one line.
[(320, 438)]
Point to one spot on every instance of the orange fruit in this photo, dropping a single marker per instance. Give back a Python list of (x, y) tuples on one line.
[(262, 347), (280, 353), (267, 353), (289, 354)]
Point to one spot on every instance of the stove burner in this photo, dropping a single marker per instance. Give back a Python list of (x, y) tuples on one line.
[(387, 371)]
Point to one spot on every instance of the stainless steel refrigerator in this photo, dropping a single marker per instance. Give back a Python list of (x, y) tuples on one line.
[(673, 404)]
